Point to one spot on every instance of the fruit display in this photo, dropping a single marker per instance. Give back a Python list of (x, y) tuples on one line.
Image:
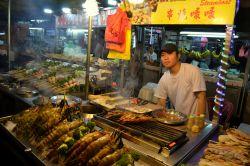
[(216, 56), (202, 55), (195, 54), (233, 61), (59, 140)]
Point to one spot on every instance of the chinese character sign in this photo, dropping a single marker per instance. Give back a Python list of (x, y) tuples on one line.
[(216, 12)]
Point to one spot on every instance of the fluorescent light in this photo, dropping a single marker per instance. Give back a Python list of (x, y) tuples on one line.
[(201, 33), (206, 34), (112, 2), (36, 28), (135, 1), (66, 10), (2, 33), (91, 7), (79, 30), (48, 11), (84, 6)]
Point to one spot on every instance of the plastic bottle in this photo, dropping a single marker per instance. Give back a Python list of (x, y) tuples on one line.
[(190, 121), (201, 121)]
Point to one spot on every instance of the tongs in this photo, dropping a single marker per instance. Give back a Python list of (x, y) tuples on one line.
[(143, 102), (111, 94), (114, 101)]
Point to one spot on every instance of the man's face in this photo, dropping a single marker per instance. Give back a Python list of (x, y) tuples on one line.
[(169, 60), (151, 50)]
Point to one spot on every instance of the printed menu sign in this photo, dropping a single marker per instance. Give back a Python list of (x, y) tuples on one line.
[(215, 12)]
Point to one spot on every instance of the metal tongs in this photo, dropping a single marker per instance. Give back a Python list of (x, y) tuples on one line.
[(111, 94)]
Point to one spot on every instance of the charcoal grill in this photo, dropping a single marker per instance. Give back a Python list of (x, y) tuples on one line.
[(161, 134)]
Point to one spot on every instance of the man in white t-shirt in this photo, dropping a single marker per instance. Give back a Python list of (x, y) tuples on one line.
[(150, 55), (183, 84)]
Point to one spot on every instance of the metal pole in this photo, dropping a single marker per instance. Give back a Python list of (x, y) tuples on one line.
[(9, 46), (122, 81), (88, 59)]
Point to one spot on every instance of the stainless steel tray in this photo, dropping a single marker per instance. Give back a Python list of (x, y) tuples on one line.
[(26, 92), (29, 156), (171, 117), (141, 109), (70, 99)]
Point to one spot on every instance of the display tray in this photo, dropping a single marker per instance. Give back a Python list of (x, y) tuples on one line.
[(70, 99), (26, 92), (19, 145), (141, 109), (170, 117), (108, 101)]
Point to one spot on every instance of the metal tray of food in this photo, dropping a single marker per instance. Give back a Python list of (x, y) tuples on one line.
[(26, 92), (70, 99), (170, 117), (140, 109)]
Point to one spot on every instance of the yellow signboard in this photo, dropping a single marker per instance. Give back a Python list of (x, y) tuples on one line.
[(213, 12)]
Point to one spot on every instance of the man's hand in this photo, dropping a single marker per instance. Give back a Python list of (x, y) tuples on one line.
[(162, 102)]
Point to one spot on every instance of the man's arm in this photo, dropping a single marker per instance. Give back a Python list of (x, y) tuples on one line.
[(201, 96), (162, 102)]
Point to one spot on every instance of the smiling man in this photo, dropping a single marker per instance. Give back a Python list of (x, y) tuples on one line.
[(182, 83)]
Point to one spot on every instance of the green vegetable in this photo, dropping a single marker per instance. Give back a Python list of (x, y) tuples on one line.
[(83, 129), (125, 160), (77, 134), (63, 149), (69, 141), (135, 156), (90, 125)]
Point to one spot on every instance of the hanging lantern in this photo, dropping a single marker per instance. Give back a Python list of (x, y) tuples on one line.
[(91, 7)]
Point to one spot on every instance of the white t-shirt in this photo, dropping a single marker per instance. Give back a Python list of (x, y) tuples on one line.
[(181, 87), (151, 57)]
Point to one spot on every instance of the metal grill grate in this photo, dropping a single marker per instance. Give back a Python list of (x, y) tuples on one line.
[(155, 131)]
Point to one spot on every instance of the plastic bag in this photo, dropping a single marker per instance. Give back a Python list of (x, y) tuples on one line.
[(127, 46)]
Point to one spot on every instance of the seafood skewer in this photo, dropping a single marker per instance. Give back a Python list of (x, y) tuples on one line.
[(112, 158), (102, 153), (91, 150), (59, 131), (81, 145)]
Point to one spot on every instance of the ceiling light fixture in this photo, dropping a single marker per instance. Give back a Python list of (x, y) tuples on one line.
[(205, 34), (66, 10), (48, 11), (136, 1), (91, 7), (112, 2)]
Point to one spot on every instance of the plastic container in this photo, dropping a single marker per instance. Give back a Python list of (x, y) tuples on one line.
[(190, 122)]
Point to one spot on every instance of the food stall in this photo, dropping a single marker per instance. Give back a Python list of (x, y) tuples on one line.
[(168, 141)]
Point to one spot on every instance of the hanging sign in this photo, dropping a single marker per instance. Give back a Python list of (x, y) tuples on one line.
[(213, 12)]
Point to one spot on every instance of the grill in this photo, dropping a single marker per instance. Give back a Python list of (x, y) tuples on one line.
[(162, 134)]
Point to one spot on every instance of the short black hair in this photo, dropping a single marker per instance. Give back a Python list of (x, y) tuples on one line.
[(169, 48)]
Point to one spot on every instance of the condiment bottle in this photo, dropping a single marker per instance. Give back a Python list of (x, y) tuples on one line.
[(190, 121), (201, 121)]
